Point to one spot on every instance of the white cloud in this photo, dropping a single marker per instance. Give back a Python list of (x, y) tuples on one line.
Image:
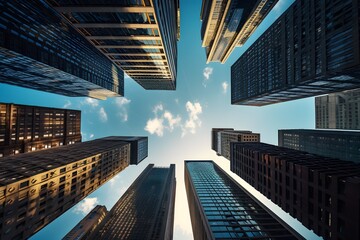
[(156, 126), (158, 108), (193, 122), (171, 120), (86, 205), (67, 104), (122, 103), (91, 135), (225, 86), (90, 101), (207, 72), (103, 115), (176, 100)]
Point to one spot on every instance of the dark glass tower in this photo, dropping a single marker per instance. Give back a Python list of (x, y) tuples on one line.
[(322, 193), (145, 211), (37, 187), (338, 110), (312, 49), (40, 50), (87, 225), (343, 145), (229, 23), (138, 36), (25, 128), (214, 137), (221, 209)]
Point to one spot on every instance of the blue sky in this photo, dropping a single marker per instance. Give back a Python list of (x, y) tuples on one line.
[(178, 123)]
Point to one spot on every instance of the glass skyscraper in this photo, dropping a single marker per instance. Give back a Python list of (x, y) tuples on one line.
[(40, 50), (145, 211), (339, 144), (229, 23), (221, 209), (140, 37), (311, 49)]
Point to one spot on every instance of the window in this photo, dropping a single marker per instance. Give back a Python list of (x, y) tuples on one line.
[(24, 184)]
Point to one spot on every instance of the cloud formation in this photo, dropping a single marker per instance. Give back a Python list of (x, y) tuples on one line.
[(103, 115), (90, 101), (193, 121), (225, 86), (207, 72), (164, 120), (122, 103), (67, 104), (86, 205)]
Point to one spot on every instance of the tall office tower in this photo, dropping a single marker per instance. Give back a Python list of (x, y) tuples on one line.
[(214, 137), (311, 49), (229, 23), (338, 110), (138, 147), (220, 208), (145, 211), (37, 187), (138, 36), (87, 225), (224, 137), (26, 128), (344, 145), (39, 50), (322, 193)]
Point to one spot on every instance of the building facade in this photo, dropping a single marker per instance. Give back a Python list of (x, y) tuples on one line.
[(322, 193), (214, 137), (140, 37), (344, 145), (87, 225), (338, 110), (225, 136), (26, 128), (311, 49), (145, 211), (37, 187), (39, 50), (221, 209), (227, 24)]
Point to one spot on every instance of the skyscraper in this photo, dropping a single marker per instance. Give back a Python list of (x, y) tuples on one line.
[(225, 136), (214, 137), (322, 193), (26, 128), (309, 50), (39, 50), (221, 209), (138, 36), (229, 23), (138, 147), (37, 187), (87, 225), (338, 110), (145, 211), (343, 145)]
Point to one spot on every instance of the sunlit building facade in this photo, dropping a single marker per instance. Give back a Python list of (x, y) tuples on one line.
[(220, 208), (140, 37), (322, 193), (25, 128), (338, 110), (145, 211), (227, 24), (87, 225), (37, 187), (311, 49), (226, 136), (40, 50), (343, 145)]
